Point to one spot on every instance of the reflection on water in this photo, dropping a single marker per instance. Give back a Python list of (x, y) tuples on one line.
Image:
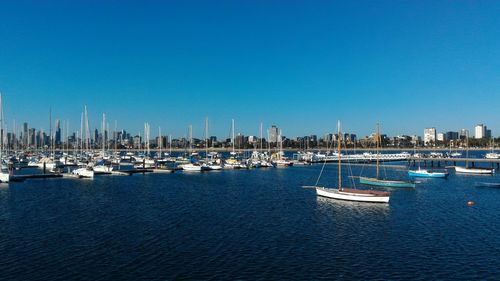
[(351, 208)]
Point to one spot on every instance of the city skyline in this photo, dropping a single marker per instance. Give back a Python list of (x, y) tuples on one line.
[(300, 66)]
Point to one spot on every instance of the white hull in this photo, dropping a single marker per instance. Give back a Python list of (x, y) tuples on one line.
[(4, 177), (193, 168), (493, 155), (83, 173), (214, 167), (474, 171), (351, 196), (102, 169)]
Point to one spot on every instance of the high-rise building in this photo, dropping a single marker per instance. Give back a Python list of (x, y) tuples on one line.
[(58, 132), (25, 134), (479, 131), (464, 133), (488, 134), (430, 136), (441, 137), (451, 135), (273, 134)]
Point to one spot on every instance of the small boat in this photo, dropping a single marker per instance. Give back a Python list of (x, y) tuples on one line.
[(475, 171), (488, 184), (351, 194), (492, 155), (377, 181), (428, 173), (387, 183), (84, 172), (194, 167)]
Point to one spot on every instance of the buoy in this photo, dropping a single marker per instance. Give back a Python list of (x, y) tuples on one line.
[(470, 203)]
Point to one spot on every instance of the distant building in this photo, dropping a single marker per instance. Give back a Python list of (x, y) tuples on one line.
[(58, 132), (451, 136), (488, 134), (430, 136), (479, 131), (25, 134), (273, 134), (441, 137), (464, 133)]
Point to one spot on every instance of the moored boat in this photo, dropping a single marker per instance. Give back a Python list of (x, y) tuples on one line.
[(387, 183), (476, 171), (428, 173), (351, 194)]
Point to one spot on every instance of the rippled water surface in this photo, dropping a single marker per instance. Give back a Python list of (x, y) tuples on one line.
[(255, 224)]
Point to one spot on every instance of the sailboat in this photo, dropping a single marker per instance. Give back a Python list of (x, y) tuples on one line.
[(377, 181), (492, 154), (210, 165), (472, 170), (5, 175), (351, 194)]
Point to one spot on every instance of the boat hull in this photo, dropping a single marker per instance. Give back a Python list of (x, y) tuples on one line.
[(4, 177), (475, 171), (351, 196), (387, 183), (426, 174)]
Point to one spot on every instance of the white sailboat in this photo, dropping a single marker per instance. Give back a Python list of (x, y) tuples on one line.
[(210, 165), (492, 154), (351, 194), (472, 170)]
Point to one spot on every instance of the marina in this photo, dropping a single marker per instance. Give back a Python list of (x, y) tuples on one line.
[(189, 225), (202, 140)]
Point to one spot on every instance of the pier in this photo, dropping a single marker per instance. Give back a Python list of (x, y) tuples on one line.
[(442, 162)]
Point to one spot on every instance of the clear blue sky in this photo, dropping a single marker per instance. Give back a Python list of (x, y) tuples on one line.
[(298, 64)]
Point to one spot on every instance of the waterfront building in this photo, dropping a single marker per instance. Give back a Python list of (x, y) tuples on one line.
[(464, 133), (441, 137), (480, 131), (273, 134), (451, 135), (430, 136), (488, 134)]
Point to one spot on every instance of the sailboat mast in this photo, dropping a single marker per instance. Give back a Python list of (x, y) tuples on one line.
[(339, 147), (232, 129), (377, 150), (160, 140), (206, 139), (261, 136)]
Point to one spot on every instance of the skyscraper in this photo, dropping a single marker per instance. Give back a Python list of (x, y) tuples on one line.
[(479, 131), (273, 134), (58, 132), (429, 136)]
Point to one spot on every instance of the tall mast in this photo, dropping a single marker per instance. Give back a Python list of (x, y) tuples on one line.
[(232, 129), (190, 138), (160, 141), (206, 138), (103, 134), (339, 147), (170, 145), (377, 143), (261, 137)]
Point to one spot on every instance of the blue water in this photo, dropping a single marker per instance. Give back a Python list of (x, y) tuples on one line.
[(248, 225)]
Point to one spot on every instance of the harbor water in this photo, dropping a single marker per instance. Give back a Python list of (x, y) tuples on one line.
[(248, 225)]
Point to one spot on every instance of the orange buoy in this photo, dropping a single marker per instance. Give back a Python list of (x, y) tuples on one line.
[(470, 203)]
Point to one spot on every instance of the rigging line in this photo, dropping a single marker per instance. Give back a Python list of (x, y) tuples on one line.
[(324, 163)]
